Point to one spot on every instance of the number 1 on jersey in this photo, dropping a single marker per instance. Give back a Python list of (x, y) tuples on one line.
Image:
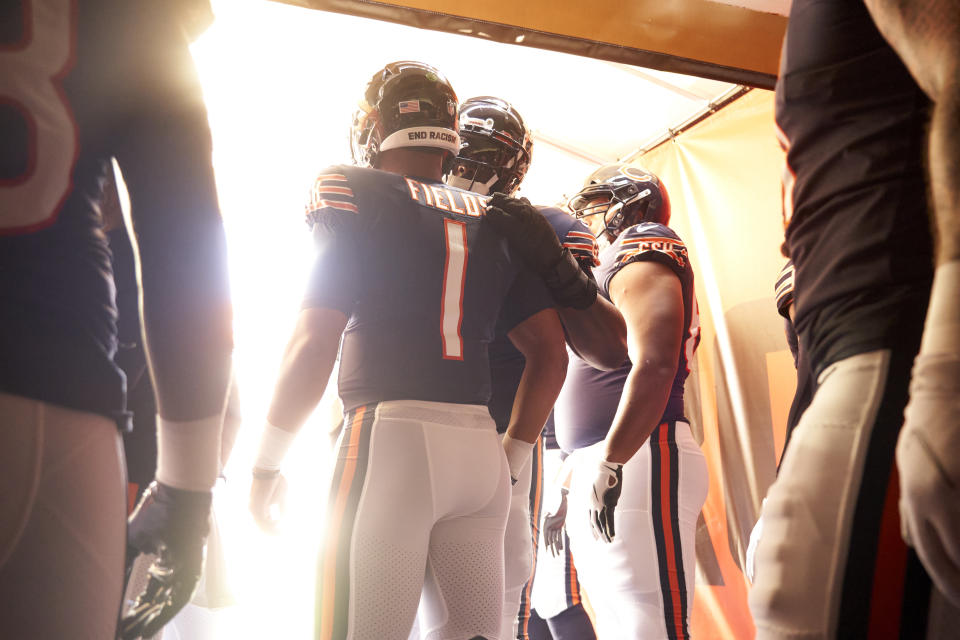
[(454, 276)]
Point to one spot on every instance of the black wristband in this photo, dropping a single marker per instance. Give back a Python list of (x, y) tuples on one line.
[(569, 285)]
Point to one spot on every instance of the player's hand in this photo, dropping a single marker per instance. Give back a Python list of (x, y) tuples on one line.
[(268, 495), (173, 524), (929, 468), (751, 560), (603, 499), (553, 525), (527, 231)]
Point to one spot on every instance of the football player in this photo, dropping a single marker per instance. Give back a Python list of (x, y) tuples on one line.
[(415, 280), (495, 152), (853, 115), (636, 468), (84, 82)]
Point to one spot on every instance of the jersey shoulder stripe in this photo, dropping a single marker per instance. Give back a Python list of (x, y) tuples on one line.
[(331, 191), (783, 290), (574, 235), (583, 245)]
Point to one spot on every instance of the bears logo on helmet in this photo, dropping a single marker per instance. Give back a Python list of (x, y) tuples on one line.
[(405, 104), (495, 147), (625, 195)]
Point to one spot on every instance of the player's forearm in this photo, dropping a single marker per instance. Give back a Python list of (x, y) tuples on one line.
[(644, 399), (543, 376), (232, 420), (942, 329), (188, 338), (304, 372), (598, 333), (944, 166)]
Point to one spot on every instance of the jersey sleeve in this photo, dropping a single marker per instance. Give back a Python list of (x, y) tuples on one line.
[(528, 295), (582, 245), (650, 242), (783, 290), (334, 216)]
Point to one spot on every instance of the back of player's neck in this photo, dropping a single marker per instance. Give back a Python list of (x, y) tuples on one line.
[(427, 165)]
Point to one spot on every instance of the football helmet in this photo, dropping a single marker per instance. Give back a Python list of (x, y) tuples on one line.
[(405, 104), (495, 147), (625, 195)]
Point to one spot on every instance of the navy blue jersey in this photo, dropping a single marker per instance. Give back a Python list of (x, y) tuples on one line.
[(87, 81), (73, 94), (589, 398), (506, 362), (422, 280), (852, 122)]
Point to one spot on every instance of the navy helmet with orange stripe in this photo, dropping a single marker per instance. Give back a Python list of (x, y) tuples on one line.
[(405, 104), (495, 147), (625, 195)]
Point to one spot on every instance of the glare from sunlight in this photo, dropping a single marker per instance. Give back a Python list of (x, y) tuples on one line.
[(281, 83)]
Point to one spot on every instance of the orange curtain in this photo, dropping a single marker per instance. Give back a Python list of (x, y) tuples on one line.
[(724, 185)]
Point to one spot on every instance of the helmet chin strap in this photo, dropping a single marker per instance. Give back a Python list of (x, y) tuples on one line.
[(487, 185), (612, 219)]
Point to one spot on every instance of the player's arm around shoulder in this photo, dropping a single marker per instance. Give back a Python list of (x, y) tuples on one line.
[(594, 326), (597, 334), (650, 298)]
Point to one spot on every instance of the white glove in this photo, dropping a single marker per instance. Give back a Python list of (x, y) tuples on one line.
[(604, 497), (268, 495), (751, 561), (928, 459)]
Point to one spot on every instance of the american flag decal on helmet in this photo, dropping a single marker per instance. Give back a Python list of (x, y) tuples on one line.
[(409, 106), (330, 191)]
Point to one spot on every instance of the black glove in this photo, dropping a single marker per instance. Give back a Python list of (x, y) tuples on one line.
[(604, 498), (173, 524), (553, 526), (529, 233)]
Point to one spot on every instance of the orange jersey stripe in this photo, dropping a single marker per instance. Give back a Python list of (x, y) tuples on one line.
[(651, 239), (574, 582), (344, 191)]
